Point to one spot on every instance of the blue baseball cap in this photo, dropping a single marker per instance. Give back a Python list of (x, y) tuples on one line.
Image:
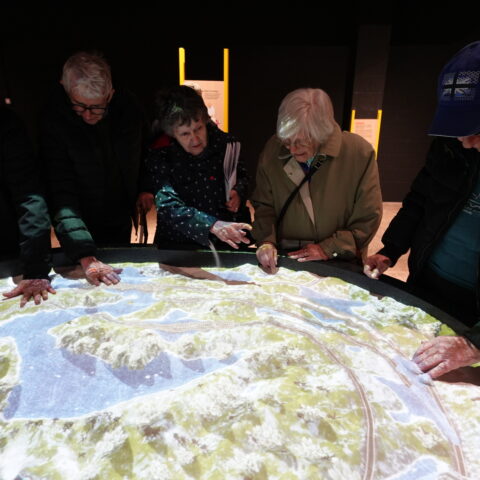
[(458, 90)]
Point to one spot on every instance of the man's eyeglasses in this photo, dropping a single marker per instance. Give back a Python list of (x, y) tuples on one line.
[(94, 110)]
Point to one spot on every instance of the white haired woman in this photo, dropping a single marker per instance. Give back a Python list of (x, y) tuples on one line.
[(317, 192)]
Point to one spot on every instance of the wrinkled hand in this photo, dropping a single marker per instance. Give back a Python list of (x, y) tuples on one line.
[(97, 272), (443, 354), (234, 203), (267, 257), (375, 265), (231, 232), (145, 202), (37, 288), (309, 252)]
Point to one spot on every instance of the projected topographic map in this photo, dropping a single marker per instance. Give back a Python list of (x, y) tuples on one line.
[(226, 374)]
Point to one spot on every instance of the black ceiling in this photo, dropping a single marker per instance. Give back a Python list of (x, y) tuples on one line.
[(245, 23)]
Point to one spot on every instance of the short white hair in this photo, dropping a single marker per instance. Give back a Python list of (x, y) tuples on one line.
[(308, 113), (88, 75)]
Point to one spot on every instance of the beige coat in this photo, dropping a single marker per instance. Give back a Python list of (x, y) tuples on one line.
[(340, 208)]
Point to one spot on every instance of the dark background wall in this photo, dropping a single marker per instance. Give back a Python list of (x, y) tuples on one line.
[(270, 55)]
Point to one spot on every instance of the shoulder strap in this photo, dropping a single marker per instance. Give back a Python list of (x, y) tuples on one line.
[(316, 164)]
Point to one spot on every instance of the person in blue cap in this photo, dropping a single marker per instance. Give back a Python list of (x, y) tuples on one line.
[(439, 221)]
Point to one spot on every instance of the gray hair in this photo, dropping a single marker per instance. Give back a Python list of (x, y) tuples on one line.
[(306, 112), (88, 74), (179, 105)]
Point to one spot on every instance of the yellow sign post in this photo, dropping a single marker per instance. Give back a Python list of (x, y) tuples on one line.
[(214, 92), (368, 128)]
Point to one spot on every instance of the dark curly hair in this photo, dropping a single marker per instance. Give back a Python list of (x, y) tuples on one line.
[(178, 105)]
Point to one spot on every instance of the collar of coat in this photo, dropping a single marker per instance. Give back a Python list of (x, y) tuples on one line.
[(334, 143), (296, 174)]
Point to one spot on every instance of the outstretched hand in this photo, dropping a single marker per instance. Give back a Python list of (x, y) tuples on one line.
[(376, 265), (443, 354), (37, 288), (97, 272), (231, 232), (267, 257)]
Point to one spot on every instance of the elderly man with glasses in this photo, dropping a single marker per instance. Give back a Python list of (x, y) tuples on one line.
[(91, 146)]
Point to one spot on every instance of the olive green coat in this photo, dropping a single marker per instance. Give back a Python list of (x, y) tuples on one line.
[(340, 208)]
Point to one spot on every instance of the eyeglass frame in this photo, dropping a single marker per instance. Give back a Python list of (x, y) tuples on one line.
[(296, 143), (90, 108)]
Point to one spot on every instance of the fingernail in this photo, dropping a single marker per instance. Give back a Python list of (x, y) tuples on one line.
[(426, 379)]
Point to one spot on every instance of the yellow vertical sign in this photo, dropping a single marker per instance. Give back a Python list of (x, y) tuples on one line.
[(225, 88), (368, 128), (214, 93), (181, 64)]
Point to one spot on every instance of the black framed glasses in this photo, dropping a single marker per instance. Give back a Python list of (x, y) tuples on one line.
[(94, 109)]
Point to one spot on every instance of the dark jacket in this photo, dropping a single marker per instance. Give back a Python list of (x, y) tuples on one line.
[(190, 190), (437, 195), (24, 214), (84, 163)]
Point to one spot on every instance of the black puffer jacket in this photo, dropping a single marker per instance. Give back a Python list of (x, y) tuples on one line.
[(74, 153), (24, 214)]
